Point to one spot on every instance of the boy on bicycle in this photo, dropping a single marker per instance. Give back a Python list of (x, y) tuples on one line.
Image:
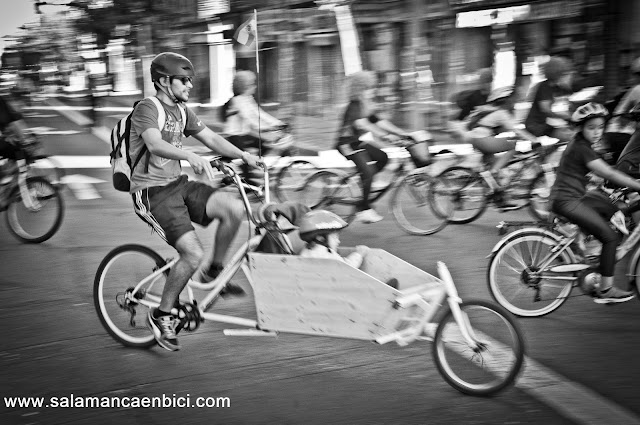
[(167, 200)]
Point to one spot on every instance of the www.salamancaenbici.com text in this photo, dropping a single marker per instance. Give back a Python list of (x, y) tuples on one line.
[(118, 402)]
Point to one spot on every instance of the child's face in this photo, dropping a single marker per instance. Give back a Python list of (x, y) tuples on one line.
[(333, 240), (593, 130)]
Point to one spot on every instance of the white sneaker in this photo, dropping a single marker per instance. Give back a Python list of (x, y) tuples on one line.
[(619, 221), (368, 216)]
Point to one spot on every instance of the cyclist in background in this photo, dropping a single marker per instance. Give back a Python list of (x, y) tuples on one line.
[(591, 211), (169, 202), (620, 129), (481, 128), (12, 132), (361, 117), (245, 123), (557, 72)]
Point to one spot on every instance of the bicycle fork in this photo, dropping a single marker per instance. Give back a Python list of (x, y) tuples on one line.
[(461, 318)]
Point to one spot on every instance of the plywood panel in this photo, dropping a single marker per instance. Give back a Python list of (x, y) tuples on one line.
[(327, 297)]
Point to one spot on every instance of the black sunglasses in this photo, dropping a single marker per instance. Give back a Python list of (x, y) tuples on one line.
[(184, 80)]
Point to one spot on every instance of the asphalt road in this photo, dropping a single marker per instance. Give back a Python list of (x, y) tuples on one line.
[(584, 355)]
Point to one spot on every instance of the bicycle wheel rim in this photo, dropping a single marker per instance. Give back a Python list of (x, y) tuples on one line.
[(540, 194), (120, 271), (523, 293), (469, 194), (39, 222), (291, 179), (413, 209), (488, 367)]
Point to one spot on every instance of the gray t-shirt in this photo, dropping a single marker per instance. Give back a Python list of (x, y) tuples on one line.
[(161, 171)]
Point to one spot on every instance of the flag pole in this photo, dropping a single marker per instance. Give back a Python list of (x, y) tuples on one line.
[(255, 32)]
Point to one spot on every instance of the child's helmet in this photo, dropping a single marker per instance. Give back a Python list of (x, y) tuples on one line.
[(589, 111), (319, 223), (500, 93), (169, 64)]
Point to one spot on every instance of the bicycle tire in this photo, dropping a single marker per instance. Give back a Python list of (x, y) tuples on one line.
[(489, 368), (332, 191), (118, 274), (540, 194), (291, 178), (412, 207), (470, 193), (19, 216), (514, 287)]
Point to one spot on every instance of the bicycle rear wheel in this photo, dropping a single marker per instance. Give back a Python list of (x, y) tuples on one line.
[(469, 194), (539, 194), (412, 208), (38, 218), (332, 191), (517, 282), (492, 363), (119, 310), (291, 179)]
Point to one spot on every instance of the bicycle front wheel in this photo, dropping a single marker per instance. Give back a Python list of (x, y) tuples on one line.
[(332, 191), (469, 194), (291, 179), (519, 284), (494, 359), (539, 195), (120, 310), (413, 210), (36, 219)]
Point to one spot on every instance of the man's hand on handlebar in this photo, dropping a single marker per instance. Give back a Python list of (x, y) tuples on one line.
[(252, 160), (199, 165)]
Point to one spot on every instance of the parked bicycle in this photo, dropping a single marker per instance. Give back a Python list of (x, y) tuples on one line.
[(410, 187), (477, 346), (527, 181), (533, 270), (34, 206)]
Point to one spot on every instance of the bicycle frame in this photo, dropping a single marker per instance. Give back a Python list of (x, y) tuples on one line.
[(428, 296), (536, 160), (376, 194)]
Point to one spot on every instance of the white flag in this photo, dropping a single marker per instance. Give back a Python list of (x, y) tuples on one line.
[(246, 33)]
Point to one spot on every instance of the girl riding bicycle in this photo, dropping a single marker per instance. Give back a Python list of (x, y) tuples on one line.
[(360, 118), (591, 211)]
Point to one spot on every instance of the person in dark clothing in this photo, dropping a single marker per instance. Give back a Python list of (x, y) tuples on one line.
[(542, 96), (360, 118), (592, 211), (468, 100)]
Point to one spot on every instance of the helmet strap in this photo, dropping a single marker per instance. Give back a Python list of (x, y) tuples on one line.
[(169, 92)]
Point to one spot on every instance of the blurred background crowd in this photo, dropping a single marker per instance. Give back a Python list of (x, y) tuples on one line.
[(423, 51)]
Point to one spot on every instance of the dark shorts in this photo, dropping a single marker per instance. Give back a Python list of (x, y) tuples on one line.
[(171, 209)]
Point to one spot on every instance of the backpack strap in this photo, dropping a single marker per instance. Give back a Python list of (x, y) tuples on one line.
[(162, 118)]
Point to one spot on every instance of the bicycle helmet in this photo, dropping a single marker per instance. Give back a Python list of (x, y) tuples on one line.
[(500, 93), (319, 223), (589, 111), (169, 64)]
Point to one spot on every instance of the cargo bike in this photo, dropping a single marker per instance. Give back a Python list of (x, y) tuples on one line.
[(477, 346)]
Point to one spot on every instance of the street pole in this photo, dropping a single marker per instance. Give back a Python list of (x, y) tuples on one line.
[(415, 40)]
